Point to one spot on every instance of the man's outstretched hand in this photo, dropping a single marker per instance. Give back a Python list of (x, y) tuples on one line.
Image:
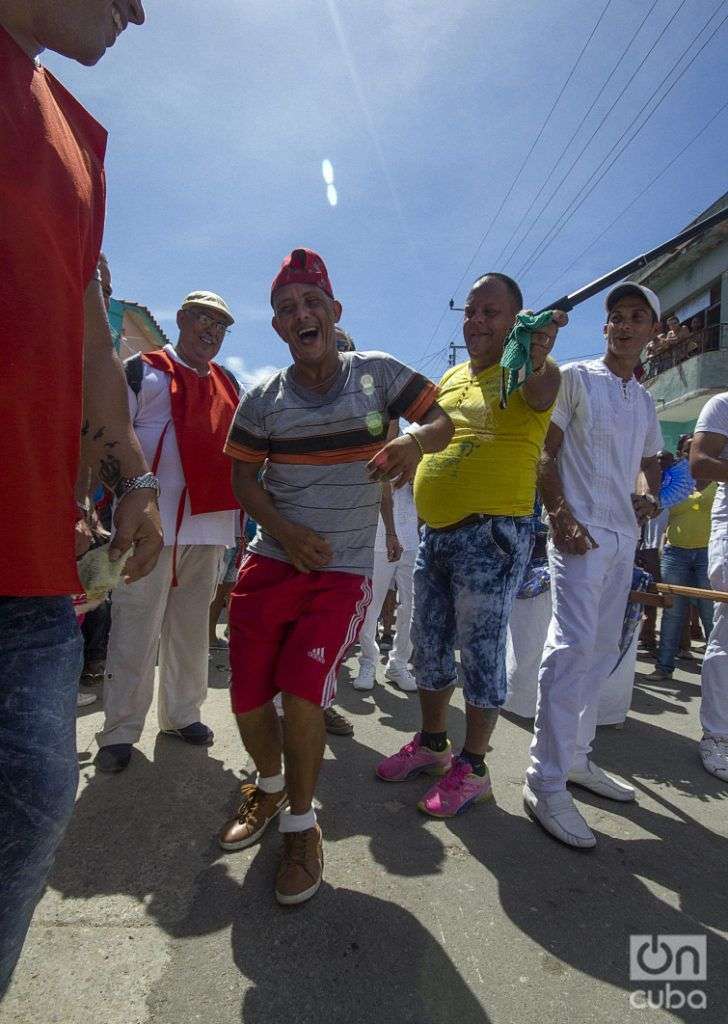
[(396, 462)]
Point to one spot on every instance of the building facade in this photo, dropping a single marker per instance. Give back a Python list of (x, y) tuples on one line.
[(134, 329), (692, 284)]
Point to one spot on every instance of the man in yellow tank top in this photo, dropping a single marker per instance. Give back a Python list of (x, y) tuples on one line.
[(476, 498)]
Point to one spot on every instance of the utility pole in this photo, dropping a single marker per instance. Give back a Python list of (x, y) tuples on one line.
[(452, 358)]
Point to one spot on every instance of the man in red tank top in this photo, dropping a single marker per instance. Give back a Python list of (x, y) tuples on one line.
[(54, 333)]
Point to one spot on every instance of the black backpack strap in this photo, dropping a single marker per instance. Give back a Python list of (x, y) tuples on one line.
[(134, 371)]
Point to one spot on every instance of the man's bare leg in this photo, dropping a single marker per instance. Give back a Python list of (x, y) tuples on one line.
[(434, 705), (261, 735), (480, 723), (260, 732), (304, 737)]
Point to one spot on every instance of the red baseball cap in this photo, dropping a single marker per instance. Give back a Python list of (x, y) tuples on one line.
[(303, 266)]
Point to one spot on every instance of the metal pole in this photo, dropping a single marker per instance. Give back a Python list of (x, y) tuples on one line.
[(568, 302)]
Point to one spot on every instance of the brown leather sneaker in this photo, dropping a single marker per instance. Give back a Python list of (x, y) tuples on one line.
[(336, 724), (302, 866), (254, 814)]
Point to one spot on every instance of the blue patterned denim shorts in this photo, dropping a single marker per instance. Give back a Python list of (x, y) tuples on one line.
[(466, 581)]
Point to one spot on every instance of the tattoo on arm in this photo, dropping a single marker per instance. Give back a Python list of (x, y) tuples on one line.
[(99, 433), (110, 470), (85, 428)]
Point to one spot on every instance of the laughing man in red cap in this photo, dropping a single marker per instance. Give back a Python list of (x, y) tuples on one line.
[(317, 431)]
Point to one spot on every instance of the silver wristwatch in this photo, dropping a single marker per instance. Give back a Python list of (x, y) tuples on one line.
[(147, 481)]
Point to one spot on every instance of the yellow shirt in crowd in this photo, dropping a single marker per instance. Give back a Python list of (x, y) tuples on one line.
[(489, 467), (689, 522)]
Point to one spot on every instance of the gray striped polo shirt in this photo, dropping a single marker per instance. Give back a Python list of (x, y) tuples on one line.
[(315, 448)]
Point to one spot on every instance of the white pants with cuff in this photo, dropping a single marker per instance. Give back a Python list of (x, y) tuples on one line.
[(383, 573), (151, 614), (714, 677), (589, 594)]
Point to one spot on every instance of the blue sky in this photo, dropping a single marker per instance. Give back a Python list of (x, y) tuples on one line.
[(220, 115)]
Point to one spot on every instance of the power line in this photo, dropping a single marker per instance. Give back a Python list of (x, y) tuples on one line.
[(434, 356), (598, 128), (561, 223), (629, 206), (597, 95), (521, 168), (431, 359), (535, 142)]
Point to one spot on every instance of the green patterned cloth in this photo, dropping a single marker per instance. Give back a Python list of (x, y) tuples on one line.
[(516, 361)]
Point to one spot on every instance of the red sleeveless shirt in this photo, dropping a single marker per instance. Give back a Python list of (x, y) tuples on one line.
[(52, 197)]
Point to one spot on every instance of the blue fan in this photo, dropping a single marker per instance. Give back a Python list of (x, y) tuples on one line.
[(677, 484)]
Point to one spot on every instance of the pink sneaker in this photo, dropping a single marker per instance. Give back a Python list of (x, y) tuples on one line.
[(413, 759), (460, 788)]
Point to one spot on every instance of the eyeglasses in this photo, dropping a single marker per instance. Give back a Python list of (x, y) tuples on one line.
[(208, 323)]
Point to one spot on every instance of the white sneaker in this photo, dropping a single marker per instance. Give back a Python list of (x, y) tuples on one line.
[(596, 779), (397, 673), (714, 755), (84, 699), (556, 813), (365, 679)]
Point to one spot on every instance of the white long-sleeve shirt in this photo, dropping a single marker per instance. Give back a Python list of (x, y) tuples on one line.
[(609, 426)]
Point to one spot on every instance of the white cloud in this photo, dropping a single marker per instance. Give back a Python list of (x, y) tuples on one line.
[(249, 377)]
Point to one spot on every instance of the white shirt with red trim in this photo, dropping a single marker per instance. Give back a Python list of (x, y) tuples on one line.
[(150, 411)]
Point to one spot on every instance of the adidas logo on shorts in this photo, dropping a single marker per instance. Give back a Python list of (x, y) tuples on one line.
[(318, 654)]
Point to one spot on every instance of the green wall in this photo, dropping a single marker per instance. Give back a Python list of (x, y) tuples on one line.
[(672, 431)]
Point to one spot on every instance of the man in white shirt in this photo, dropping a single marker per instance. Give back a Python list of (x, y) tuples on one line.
[(709, 461), (603, 431), (395, 551), (182, 405)]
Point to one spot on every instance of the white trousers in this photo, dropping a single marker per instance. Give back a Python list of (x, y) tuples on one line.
[(714, 678), (383, 573), (589, 594), (151, 614)]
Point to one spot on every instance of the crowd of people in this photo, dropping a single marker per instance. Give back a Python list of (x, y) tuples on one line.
[(674, 343), (358, 472)]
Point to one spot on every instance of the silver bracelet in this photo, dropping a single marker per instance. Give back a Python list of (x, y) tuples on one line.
[(147, 481)]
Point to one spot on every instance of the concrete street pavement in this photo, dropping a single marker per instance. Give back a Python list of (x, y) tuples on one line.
[(482, 919)]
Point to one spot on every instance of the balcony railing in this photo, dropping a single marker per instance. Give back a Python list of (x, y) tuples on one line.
[(709, 339)]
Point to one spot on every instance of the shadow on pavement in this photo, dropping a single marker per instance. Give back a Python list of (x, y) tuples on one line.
[(356, 956), (581, 907)]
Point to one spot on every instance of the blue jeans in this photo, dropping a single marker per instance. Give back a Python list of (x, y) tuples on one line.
[(40, 661), (465, 582), (685, 567)]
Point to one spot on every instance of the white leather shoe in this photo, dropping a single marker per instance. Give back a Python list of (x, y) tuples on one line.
[(714, 755), (556, 813), (365, 679), (400, 675), (596, 779)]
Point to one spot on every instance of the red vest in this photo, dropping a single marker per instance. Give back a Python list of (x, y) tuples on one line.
[(202, 411)]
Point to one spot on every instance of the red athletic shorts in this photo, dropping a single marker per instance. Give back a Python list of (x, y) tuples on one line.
[(290, 631)]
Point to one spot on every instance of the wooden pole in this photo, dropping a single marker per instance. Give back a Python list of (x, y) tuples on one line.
[(711, 595), (660, 594), (647, 597)]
